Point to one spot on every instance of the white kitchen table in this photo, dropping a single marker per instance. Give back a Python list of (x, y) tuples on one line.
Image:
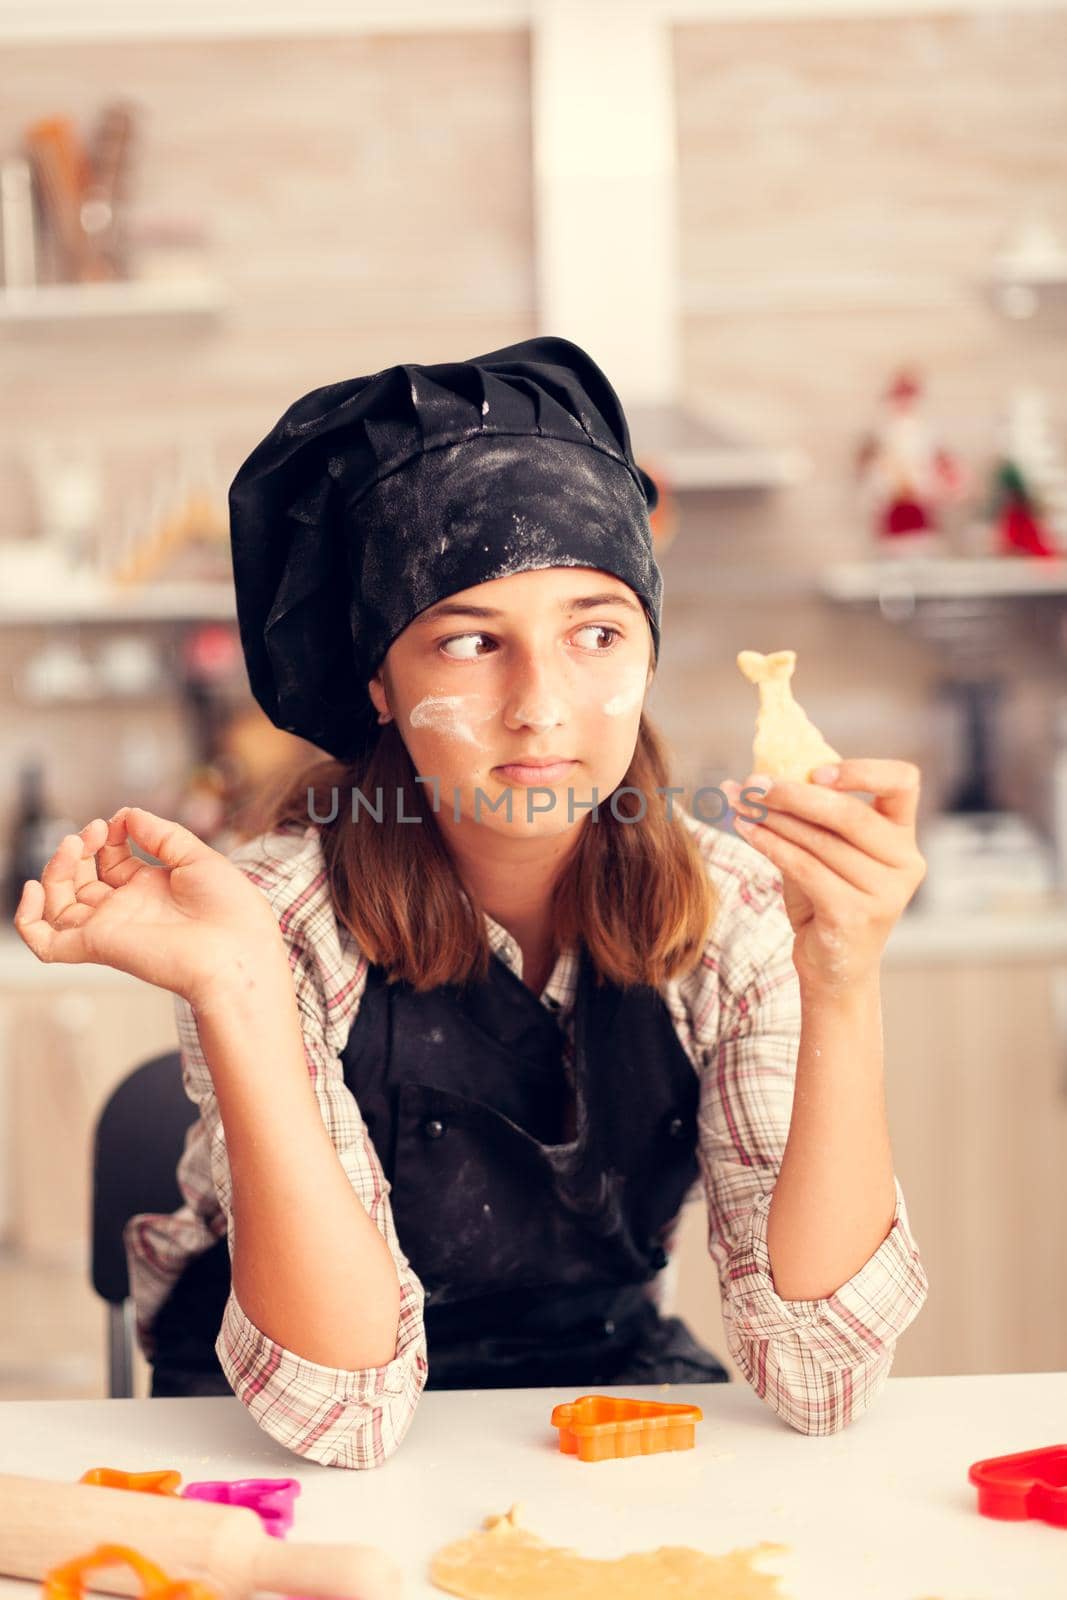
[(881, 1511)]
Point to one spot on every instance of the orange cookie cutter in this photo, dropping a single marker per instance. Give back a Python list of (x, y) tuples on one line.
[(65, 1582), (601, 1427), (164, 1482)]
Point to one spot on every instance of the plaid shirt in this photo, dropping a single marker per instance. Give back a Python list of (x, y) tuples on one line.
[(817, 1363)]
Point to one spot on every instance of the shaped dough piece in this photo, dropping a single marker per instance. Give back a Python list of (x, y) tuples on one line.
[(506, 1562), (786, 745)]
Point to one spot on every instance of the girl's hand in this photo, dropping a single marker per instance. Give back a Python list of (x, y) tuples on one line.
[(848, 868), (188, 925)]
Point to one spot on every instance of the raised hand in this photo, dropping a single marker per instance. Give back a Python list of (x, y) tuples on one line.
[(189, 925), (848, 869)]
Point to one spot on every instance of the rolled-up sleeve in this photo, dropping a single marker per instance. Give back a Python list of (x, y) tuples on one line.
[(336, 1417), (817, 1363)]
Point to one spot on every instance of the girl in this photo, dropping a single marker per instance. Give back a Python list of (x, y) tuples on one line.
[(481, 1004)]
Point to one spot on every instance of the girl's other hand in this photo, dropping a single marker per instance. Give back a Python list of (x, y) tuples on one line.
[(848, 869), (189, 925)]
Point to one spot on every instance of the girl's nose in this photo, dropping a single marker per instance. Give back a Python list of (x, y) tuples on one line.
[(535, 706), (535, 700), (526, 714)]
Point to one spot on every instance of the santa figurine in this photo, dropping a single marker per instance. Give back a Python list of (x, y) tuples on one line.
[(905, 477)]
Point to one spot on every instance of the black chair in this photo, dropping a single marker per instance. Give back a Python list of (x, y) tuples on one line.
[(137, 1142)]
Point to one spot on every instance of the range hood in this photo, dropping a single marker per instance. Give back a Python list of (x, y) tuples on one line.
[(605, 202)]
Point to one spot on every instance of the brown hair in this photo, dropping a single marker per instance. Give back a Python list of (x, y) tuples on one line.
[(637, 893)]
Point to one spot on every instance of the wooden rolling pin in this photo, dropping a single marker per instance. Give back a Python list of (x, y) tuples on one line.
[(45, 1523)]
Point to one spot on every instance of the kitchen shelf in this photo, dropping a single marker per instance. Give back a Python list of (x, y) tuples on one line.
[(694, 453), (93, 600), (1030, 278), (49, 303), (1006, 276), (944, 578)]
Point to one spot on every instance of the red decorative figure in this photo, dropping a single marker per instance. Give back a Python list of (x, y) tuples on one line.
[(905, 476)]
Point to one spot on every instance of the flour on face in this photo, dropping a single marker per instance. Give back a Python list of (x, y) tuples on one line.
[(452, 715), (631, 694)]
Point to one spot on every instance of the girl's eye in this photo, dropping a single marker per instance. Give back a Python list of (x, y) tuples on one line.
[(461, 638), (472, 655), (602, 627)]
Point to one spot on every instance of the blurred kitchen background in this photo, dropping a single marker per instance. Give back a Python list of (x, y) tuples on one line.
[(820, 249)]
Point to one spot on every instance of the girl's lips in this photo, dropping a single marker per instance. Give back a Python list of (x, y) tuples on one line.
[(534, 775)]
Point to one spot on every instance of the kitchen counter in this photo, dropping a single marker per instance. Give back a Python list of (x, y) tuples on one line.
[(918, 936), (977, 936), (883, 1509), (21, 970)]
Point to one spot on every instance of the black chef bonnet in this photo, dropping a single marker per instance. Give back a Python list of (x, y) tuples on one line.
[(373, 498)]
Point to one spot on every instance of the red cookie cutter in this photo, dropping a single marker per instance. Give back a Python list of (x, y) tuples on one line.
[(65, 1582), (1030, 1484), (600, 1427), (270, 1498)]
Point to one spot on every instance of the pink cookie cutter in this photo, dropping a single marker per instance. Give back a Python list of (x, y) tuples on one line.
[(270, 1498)]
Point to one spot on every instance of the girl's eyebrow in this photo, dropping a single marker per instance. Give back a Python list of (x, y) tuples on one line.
[(452, 608)]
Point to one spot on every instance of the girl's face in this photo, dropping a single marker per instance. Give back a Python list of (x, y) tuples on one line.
[(554, 662)]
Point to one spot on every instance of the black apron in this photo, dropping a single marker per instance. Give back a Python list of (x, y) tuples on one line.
[(535, 1253)]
